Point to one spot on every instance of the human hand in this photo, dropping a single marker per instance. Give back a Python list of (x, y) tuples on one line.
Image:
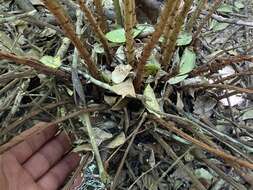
[(38, 163)]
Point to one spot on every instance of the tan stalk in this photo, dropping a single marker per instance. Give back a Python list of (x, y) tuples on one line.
[(97, 30), (170, 23), (101, 16), (65, 22), (134, 13), (159, 28), (129, 14), (171, 43)]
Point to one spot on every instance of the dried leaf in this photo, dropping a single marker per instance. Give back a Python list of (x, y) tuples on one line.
[(247, 115), (54, 62), (184, 38), (151, 101), (117, 141), (120, 73), (125, 88)]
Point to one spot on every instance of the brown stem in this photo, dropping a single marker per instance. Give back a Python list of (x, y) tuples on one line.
[(171, 127), (101, 16), (36, 65), (96, 29), (65, 22), (159, 28), (171, 43), (129, 15)]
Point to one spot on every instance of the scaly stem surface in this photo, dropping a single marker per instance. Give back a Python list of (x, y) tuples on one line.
[(159, 28), (97, 30), (129, 16), (102, 19), (171, 43), (65, 22)]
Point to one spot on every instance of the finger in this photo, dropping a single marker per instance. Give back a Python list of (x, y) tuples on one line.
[(27, 148), (56, 176), (47, 156)]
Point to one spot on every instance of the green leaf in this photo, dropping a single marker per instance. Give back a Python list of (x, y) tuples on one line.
[(247, 115), (225, 8), (184, 38), (116, 36), (151, 101), (119, 36), (117, 141), (177, 79), (218, 26), (152, 66), (239, 5), (50, 61), (188, 62)]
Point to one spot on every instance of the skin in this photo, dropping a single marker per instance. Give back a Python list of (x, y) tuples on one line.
[(38, 163)]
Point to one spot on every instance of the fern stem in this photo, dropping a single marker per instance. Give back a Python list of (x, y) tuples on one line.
[(101, 16), (65, 22), (195, 15), (97, 30), (159, 28), (129, 16), (170, 24), (171, 43), (117, 12)]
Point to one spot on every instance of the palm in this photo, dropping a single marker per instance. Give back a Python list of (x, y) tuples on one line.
[(37, 163)]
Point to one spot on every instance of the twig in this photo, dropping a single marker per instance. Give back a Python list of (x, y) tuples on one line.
[(200, 156), (35, 64), (215, 65), (85, 118), (143, 174), (230, 20), (169, 151), (222, 86), (16, 17), (159, 28), (170, 168), (170, 126), (65, 22), (114, 184)]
